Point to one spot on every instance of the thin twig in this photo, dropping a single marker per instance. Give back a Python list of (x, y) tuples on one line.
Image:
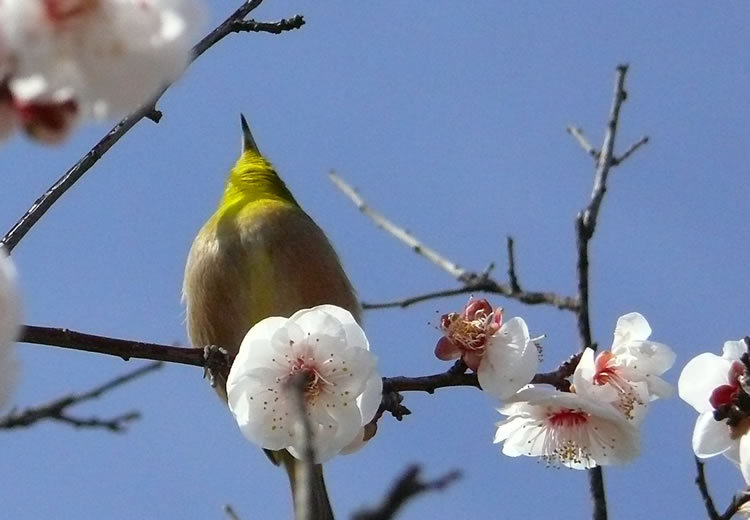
[(283, 25), (630, 151), (586, 221), (735, 505), (577, 133), (700, 481), (512, 275), (148, 110), (459, 273), (57, 410), (406, 487), (472, 281), (230, 512), (122, 348)]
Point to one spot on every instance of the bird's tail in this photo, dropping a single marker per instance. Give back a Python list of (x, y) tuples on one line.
[(321, 507)]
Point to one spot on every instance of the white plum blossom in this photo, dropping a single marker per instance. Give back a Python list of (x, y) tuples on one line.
[(10, 322), (709, 383), (627, 375), (95, 58), (503, 355), (343, 390), (564, 428)]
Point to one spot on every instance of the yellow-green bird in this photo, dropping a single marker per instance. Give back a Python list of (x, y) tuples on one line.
[(260, 255)]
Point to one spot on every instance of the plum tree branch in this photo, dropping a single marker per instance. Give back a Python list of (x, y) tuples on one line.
[(585, 227), (471, 281), (57, 410), (734, 506), (406, 487), (235, 22)]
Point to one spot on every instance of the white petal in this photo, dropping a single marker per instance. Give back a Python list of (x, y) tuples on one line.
[(257, 348), (630, 327), (700, 377), (355, 336), (369, 401), (586, 368), (745, 457), (710, 437), (658, 388), (733, 350), (510, 360), (650, 357), (319, 324)]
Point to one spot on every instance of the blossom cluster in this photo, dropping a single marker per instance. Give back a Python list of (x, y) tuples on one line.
[(717, 387), (65, 60), (596, 423)]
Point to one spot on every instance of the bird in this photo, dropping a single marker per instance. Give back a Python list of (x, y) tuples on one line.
[(260, 255)]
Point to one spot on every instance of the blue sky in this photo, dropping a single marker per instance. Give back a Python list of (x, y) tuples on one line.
[(450, 120)]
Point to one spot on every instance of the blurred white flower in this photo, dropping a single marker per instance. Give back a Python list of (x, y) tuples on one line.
[(10, 323), (104, 56), (343, 392), (565, 429), (710, 383), (503, 355)]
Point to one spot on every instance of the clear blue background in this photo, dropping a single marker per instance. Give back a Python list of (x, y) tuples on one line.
[(450, 118)]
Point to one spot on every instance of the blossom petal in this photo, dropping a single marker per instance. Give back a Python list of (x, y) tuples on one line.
[(510, 360), (370, 399), (256, 348), (630, 327), (710, 437), (446, 350), (733, 350), (355, 336), (700, 377), (650, 357)]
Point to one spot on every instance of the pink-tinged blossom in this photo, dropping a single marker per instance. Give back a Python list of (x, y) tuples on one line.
[(503, 355), (565, 429), (627, 375), (342, 394), (709, 383)]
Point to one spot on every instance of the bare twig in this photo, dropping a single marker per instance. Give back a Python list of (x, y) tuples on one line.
[(408, 485), (577, 133), (230, 512), (630, 151), (57, 410), (512, 275), (283, 25), (737, 502), (401, 234), (303, 474), (122, 348), (148, 110), (472, 281), (700, 481), (586, 221)]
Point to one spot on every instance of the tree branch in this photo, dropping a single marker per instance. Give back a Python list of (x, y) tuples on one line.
[(406, 487), (586, 221), (148, 110), (57, 409), (472, 281), (735, 505)]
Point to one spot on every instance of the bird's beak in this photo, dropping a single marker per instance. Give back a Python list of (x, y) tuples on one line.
[(248, 143)]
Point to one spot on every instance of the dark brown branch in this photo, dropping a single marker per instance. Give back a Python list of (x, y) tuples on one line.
[(408, 485), (57, 410), (472, 281), (737, 502), (512, 275), (586, 221), (122, 348), (148, 110), (230, 512), (392, 386), (283, 25), (700, 481)]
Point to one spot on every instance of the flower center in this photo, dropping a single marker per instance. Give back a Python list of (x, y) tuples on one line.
[(724, 394), (567, 417), (603, 372), (315, 383)]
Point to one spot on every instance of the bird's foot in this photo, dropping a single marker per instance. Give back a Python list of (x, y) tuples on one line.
[(214, 357)]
